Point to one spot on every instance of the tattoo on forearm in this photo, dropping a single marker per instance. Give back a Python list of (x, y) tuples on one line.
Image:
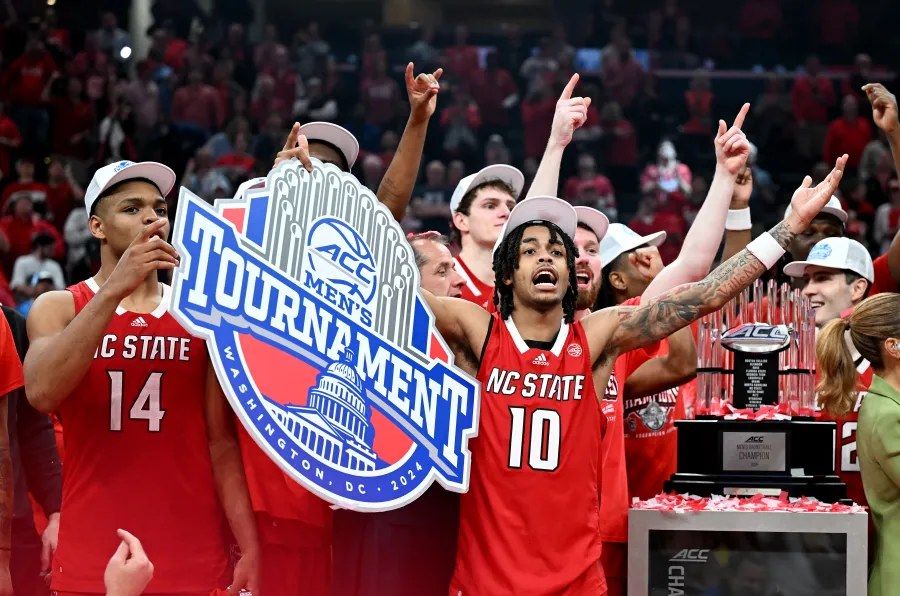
[(680, 306)]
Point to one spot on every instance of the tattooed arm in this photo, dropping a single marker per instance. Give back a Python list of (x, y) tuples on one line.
[(634, 327), (6, 499)]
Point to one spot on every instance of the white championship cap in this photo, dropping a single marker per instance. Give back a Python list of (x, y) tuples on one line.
[(593, 219), (620, 238), (504, 173), (336, 135), (159, 174), (835, 253), (833, 206), (537, 209)]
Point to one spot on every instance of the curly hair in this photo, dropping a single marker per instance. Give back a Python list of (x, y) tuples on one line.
[(506, 260)]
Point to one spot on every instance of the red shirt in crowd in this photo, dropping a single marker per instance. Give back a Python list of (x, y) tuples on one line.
[(462, 61), (673, 225), (847, 137), (19, 233), (60, 202), (760, 19), (9, 132), (622, 146), (199, 106), (599, 184), (240, 161), (380, 97), (36, 191), (71, 118), (699, 105), (490, 88), (27, 77), (537, 116), (811, 97)]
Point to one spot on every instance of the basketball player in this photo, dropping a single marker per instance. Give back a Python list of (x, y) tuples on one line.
[(530, 521), (148, 444), (10, 380), (299, 531)]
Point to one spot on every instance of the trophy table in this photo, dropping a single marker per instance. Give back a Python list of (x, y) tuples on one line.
[(753, 429)]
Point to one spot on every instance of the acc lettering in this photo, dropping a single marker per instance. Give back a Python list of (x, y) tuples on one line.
[(543, 386), (349, 262)]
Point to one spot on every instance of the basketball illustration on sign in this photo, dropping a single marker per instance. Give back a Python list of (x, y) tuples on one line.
[(307, 294)]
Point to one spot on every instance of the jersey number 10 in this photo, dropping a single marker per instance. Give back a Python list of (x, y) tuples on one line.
[(543, 451), (145, 407)]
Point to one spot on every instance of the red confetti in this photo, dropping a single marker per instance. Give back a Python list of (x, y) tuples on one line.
[(678, 503)]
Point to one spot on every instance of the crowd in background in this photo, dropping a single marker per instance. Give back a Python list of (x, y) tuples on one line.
[(214, 99)]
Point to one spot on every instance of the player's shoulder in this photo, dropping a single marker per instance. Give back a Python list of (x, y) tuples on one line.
[(53, 307)]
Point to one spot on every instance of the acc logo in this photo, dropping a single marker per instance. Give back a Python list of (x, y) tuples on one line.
[(308, 297), (820, 251), (754, 439), (574, 350), (757, 337)]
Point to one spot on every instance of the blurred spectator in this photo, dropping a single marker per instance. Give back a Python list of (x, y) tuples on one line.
[(887, 217), (63, 193), (812, 96), (286, 80), (772, 113), (461, 121), (763, 199), (39, 283), (316, 104), (388, 147), (223, 142), (268, 142), (373, 54), (538, 69), (875, 151), (372, 171), (456, 170), (759, 23), (650, 219), (26, 80), (113, 40), (20, 226), (196, 109), (423, 52), (90, 66), (39, 260), (237, 48), (204, 180), (859, 76), (663, 26), (115, 140), (560, 48), (226, 87), (461, 59), (496, 151), (25, 186), (310, 53), (143, 95), (83, 249), (590, 188), (619, 147), (698, 100), (238, 164), (848, 134), (667, 175), (73, 121), (380, 96), (496, 92), (622, 74), (431, 199), (266, 50), (10, 139), (838, 27), (537, 116)]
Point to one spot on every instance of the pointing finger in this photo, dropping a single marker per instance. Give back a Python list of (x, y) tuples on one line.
[(570, 87), (739, 119), (721, 129), (291, 141), (304, 152)]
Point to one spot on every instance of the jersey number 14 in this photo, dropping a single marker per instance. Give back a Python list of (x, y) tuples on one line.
[(145, 407)]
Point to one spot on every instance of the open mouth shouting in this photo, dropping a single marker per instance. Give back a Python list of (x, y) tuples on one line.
[(584, 277), (545, 278)]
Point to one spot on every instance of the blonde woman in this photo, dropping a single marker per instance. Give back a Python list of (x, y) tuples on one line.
[(874, 331)]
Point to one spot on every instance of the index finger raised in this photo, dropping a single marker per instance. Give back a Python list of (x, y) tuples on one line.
[(291, 141), (739, 119), (570, 87)]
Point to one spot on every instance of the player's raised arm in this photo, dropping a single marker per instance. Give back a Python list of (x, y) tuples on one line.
[(63, 344), (397, 184), (570, 114), (674, 309), (459, 320)]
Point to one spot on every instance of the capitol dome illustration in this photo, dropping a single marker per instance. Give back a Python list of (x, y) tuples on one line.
[(335, 424)]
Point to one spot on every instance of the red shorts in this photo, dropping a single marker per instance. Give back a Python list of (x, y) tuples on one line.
[(614, 559)]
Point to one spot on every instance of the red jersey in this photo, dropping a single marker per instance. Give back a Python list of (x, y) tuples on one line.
[(614, 501), (846, 462), (137, 457), (530, 523), (475, 290), (884, 281), (10, 366)]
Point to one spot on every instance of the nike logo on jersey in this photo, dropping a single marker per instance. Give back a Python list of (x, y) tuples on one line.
[(139, 322), (542, 386), (541, 360), (145, 347)]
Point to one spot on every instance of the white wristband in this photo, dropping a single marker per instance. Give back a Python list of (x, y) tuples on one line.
[(738, 219), (766, 249)]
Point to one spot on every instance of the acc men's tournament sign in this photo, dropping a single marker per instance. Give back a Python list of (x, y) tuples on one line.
[(307, 293)]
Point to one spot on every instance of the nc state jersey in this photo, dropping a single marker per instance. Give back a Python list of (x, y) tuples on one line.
[(137, 457), (474, 289), (530, 521)]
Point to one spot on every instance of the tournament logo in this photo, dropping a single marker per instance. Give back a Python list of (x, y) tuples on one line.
[(307, 294)]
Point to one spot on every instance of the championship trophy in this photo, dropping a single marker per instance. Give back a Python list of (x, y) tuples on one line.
[(753, 428)]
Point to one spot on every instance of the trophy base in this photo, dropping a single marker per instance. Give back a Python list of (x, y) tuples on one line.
[(747, 457)]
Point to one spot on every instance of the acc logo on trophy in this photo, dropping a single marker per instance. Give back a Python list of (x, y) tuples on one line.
[(307, 294)]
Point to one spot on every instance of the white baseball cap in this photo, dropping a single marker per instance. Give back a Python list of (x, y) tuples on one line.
[(537, 209), (593, 219), (508, 174), (336, 135), (159, 174), (620, 238), (833, 206), (835, 253)]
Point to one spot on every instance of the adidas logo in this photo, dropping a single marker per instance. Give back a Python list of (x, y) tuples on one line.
[(139, 322), (541, 360)]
